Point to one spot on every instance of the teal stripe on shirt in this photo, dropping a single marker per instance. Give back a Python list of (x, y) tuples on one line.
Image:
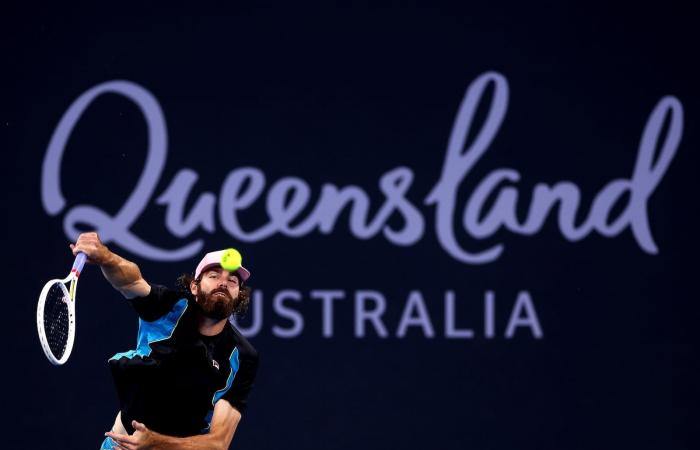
[(158, 330)]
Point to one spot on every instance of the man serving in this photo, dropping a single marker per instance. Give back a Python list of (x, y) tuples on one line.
[(186, 384)]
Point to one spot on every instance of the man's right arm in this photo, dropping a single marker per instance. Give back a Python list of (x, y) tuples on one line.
[(122, 274)]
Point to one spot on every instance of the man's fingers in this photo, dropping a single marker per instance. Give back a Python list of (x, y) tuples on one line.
[(91, 245), (138, 426), (80, 248), (125, 447), (122, 439)]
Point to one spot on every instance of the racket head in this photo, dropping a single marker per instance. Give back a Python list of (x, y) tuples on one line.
[(55, 319)]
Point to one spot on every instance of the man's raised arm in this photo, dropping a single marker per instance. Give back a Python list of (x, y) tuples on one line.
[(122, 274)]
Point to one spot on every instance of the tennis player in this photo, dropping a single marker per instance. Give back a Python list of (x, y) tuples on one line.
[(186, 384)]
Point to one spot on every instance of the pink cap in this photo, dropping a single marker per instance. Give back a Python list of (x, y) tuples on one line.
[(212, 259)]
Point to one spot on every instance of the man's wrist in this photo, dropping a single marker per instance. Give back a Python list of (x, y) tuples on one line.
[(156, 439), (110, 259)]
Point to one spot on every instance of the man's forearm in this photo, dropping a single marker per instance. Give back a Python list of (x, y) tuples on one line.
[(209, 441), (123, 275)]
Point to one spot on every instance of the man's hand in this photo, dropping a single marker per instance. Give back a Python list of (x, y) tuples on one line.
[(142, 439), (92, 246)]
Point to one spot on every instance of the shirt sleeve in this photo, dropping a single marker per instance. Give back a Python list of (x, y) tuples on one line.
[(157, 303), (243, 381)]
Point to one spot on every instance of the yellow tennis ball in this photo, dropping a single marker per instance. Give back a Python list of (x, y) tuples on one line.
[(231, 260)]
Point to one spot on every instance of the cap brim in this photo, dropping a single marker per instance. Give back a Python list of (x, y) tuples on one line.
[(241, 271)]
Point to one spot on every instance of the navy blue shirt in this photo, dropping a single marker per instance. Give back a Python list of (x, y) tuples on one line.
[(175, 376)]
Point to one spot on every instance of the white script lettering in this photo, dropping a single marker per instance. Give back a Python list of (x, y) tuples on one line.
[(288, 197)]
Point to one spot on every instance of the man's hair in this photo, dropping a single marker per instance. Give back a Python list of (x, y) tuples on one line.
[(184, 280)]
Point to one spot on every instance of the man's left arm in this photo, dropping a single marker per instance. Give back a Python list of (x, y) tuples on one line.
[(223, 426)]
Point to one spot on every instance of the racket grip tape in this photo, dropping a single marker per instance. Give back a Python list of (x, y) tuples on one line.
[(79, 263)]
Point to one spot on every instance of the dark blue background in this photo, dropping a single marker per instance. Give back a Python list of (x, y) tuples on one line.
[(342, 94)]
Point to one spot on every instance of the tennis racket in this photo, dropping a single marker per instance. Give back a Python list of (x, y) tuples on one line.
[(55, 314)]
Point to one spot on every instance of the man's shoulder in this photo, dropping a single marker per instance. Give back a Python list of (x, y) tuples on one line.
[(159, 302)]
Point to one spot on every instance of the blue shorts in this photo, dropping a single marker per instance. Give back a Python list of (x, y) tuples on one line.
[(108, 444)]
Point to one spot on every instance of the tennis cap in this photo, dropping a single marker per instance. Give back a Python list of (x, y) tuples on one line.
[(213, 259)]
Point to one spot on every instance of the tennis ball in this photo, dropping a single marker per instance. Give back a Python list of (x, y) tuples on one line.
[(231, 260)]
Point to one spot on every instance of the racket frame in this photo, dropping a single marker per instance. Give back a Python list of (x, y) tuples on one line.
[(69, 294)]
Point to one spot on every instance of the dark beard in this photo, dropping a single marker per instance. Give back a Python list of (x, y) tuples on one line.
[(214, 307)]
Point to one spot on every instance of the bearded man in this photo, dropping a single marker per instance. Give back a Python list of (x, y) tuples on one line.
[(187, 382)]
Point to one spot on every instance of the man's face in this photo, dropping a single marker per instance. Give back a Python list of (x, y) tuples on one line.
[(217, 293)]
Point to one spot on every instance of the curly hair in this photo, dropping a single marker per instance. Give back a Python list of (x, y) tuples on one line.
[(183, 283)]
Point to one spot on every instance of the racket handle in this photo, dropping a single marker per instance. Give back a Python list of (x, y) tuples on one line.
[(79, 263)]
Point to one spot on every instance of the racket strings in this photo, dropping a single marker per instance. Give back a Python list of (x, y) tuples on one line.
[(56, 320)]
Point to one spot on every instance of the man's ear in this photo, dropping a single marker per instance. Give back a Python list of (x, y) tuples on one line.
[(193, 287)]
